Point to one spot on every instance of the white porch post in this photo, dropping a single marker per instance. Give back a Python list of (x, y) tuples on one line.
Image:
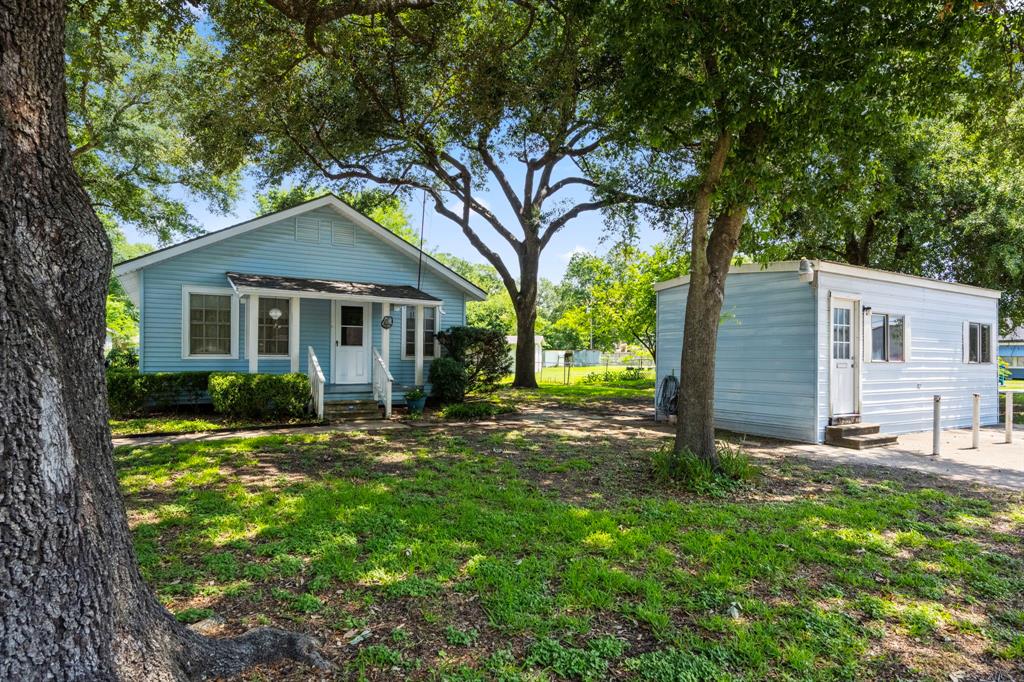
[(419, 345), (252, 309), (385, 335), (293, 332)]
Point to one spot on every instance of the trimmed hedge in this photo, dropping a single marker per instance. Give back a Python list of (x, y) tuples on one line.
[(130, 393), (259, 395)]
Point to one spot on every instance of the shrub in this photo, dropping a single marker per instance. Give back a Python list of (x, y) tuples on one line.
[(448, 379), (476, 410), (484, 353), (124, 392), (698, 475), (123, 358), (259, 395), (131, 393)]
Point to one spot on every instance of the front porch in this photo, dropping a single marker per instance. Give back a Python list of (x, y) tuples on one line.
[(356, 341)]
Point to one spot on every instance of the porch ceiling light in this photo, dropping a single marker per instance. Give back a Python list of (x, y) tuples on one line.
[(275, 314)]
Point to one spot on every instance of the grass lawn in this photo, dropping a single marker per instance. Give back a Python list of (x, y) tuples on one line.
[(579, 391), (520, 553), (188, 423)]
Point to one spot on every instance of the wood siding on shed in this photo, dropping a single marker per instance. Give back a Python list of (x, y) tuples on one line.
[(898, 395), (765, 370)]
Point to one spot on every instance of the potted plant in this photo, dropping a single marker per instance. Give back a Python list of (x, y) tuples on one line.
[(415, 399)]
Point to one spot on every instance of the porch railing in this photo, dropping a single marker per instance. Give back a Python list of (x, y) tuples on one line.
[(382, 381), (317, 384)]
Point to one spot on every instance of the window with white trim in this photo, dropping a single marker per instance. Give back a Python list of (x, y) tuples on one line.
[(272, 326), (888, 337), (978, 342), (430, 345), (210, 318)]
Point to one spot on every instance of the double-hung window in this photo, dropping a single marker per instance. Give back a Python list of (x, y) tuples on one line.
[(888, 337), (209, 323), (430, 345), (977, 342), (272, 326)]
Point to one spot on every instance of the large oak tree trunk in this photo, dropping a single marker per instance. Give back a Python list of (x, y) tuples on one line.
[(73, 604), (525, 304)]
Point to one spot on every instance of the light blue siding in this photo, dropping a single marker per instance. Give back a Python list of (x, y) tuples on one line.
[(765, 365), (274, 250), (898, 395)]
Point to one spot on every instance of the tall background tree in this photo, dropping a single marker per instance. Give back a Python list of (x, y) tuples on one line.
[(73, 604), (748, 90), (938, 197), (451, 103)]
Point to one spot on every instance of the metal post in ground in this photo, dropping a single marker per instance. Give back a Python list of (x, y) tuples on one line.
[(1009, 416), (976, 422), (936, 431)]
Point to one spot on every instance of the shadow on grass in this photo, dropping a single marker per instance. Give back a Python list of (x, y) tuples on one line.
[(366, 530)]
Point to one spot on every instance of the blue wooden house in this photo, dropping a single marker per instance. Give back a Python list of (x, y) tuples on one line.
[(815, 350), (318, 288), (1011, 349)]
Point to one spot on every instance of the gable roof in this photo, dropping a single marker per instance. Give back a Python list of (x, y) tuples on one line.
[(845, 269), (326, 201)]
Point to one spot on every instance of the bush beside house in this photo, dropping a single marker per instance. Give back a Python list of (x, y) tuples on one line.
[(476, 360), (238, 395)]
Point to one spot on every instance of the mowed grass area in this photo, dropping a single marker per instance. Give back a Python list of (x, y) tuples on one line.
[(190, 423), (518, 553), (581, 390)]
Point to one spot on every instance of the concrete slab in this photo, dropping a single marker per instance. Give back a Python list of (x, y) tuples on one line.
[(993, 463)]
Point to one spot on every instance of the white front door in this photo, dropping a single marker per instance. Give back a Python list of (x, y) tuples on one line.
[(843, 370), (352, 344)]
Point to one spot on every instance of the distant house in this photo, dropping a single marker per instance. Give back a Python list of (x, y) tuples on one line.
[(1011, 349), (317, 283), (809, 345)]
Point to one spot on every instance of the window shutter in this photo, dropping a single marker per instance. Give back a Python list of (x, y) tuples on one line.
[(307, 230), (906, 338), (866, 334), (967, 341)]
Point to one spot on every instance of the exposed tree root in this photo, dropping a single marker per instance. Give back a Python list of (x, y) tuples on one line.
[(204, 658)]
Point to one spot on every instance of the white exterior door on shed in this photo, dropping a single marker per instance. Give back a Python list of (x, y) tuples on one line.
[(844, 374), (351, 344)]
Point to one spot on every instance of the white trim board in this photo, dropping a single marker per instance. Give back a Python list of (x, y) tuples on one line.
[(848, 270), (326, 201), (186, 290)]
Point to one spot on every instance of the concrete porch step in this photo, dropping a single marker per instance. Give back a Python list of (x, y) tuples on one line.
[(858, 436)]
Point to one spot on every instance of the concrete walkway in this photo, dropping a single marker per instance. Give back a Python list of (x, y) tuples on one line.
[(994, 463), (202, 436)]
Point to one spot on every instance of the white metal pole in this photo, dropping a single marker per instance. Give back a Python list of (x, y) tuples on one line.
[(935, 427), (976, 422), (1009, 416)]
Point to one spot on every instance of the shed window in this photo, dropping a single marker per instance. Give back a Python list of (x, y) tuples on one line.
[(429, 328), (979, 342), (209, 324), (842, 334), (888, 334), (273, 326)]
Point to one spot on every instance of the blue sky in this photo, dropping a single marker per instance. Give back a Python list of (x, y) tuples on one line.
[(583, 233)]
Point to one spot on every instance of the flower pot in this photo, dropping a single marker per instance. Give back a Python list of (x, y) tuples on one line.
[(416, 405)]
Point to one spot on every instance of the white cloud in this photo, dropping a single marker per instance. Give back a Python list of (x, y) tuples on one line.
[(567, 256)]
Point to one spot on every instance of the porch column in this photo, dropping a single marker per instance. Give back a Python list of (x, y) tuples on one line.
[(252, 314), (385, 335), (419, 345), (293, 332)]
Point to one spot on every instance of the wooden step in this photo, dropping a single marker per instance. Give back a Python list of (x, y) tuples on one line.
[(858, 429), (844, 419), (858, 436), (340, 410)]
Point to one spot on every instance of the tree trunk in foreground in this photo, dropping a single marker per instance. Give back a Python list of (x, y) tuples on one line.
[(73, 604)]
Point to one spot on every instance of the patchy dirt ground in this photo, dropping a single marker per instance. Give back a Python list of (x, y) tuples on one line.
[(539, 546)]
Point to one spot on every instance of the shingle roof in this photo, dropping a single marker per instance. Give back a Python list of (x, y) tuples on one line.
[(329, 286)]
